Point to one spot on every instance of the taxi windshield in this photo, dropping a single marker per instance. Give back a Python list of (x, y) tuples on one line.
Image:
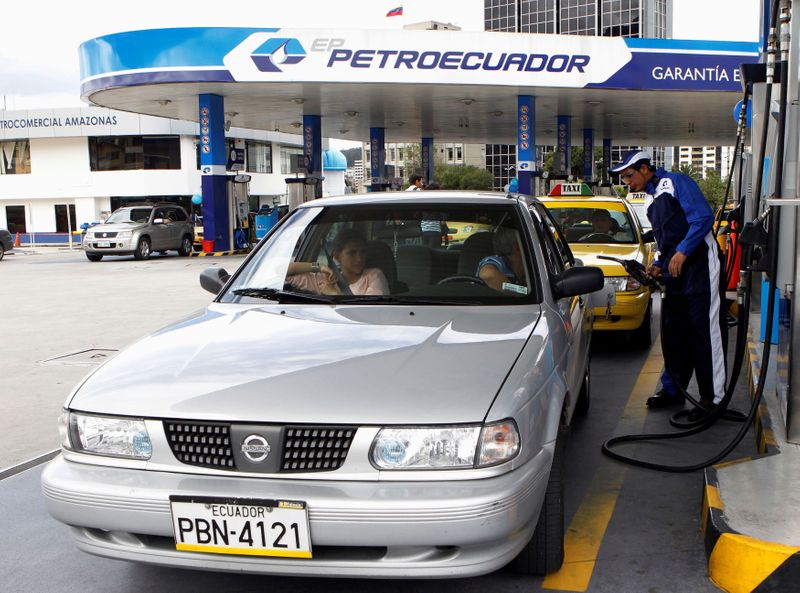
[(391, 253), (595, 223)]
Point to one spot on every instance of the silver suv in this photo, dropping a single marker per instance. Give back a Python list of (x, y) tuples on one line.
[(140, 230)]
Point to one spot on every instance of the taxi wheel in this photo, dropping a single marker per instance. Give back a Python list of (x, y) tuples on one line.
[(641, 337), (545, 552)]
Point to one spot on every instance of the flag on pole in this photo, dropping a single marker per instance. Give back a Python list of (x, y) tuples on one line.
[(395, 11)]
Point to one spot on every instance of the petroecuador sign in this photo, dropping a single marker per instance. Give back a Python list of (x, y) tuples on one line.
[(410, 57)]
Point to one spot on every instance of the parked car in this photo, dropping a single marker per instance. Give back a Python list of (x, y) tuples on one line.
[(306, 424), (6, 242), (631, 312), (139, 231)]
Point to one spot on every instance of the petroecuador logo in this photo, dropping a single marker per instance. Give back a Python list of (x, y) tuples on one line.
[(278, 51)]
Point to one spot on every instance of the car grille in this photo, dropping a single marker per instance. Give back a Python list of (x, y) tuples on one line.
[(104, 234), (201, 443), (314, 448), (305, 448)]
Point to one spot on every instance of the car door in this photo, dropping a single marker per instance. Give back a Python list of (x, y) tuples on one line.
[(575, 313), (159, 232)]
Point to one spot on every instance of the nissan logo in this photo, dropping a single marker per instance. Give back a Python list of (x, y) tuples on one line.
[(255, 448)]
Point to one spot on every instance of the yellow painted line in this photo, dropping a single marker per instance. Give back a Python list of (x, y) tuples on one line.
[(588, 527), (740, 563), (242, 552), (733, 462)]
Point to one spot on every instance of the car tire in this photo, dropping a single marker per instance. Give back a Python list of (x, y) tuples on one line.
[(545, 552), (186, 246), (585, 396), (94, 256), (142, 249), (2, 251), (641, 337)]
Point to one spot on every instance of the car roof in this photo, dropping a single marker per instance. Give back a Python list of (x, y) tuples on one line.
[(420, 197)]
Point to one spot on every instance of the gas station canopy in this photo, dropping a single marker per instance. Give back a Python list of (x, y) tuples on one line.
[(449, 85)]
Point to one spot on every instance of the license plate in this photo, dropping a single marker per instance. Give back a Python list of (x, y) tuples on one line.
[(104, 243), (241, 526)]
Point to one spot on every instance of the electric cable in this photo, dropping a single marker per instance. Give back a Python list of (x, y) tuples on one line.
[(773, 226)]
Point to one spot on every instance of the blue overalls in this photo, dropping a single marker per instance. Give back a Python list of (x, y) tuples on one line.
[(694, 325)]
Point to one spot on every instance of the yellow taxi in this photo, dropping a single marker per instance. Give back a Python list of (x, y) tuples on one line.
[(595, 226), (460, 231), (637, 202)]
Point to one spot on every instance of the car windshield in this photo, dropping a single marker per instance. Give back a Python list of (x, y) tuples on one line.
[(129, 215), (391, 253), (596, 223)]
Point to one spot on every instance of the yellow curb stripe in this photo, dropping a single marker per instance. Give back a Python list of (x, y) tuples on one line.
[(732, 462), (585, 533), (740, 563)]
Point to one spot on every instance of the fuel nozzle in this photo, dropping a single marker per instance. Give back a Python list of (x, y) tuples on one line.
[(635, 269)]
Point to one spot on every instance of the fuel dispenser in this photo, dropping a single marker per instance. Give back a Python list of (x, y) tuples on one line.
[(302, 187), (239, 205)]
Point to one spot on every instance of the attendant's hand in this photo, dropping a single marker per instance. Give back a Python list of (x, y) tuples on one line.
[(654, 271), (676, 263)]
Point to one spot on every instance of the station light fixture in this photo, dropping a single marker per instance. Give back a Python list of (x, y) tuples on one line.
[(467, 101), (344, 131), (298, 100), (164, 102), (296, 124), (497, 113), (351, 113)]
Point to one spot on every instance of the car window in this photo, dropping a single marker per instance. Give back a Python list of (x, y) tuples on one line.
[(129, 215), (180, 215), (557, 234), (366, 253), (582, 224)]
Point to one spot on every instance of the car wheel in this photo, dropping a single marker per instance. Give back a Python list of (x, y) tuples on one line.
[(584, 397), (142, 249), (641, 336), (94, 256), (545, 552), (2, 251), (186, 246)]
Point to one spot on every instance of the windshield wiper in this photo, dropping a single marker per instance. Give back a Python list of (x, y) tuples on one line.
[(403, 300), (282, 296)]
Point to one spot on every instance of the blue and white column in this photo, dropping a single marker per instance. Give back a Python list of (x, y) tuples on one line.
[(427, 159), (377, 157), (526, 142), (213, 156), (588, 154), (312, 149), (606, 158), (564, 144)]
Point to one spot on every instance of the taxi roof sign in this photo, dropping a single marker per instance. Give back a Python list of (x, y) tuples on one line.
[(636, 195), (571, 189)]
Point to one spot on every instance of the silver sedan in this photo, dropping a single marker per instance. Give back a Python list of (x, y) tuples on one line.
[(358, 400)]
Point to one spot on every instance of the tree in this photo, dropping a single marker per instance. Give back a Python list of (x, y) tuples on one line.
[(713, 188), (463, 177)]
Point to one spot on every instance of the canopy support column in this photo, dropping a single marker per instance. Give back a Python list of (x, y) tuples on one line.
[(526, 142), (213, 157)]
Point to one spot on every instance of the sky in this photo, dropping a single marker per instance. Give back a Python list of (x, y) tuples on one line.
[(39, 44)]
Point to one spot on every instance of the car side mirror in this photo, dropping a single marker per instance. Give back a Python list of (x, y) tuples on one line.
[(648, 237), (577, 281), (213, 279)]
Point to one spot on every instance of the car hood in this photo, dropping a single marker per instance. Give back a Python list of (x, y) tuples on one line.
[(318, 364), (588, 253)]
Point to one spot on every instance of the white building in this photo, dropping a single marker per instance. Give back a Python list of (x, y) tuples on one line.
[(703, 158), (60, 168)]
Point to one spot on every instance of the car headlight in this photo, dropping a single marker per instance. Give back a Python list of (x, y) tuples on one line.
[(622, 283), (124, 234), (445, 447), (115, 437)]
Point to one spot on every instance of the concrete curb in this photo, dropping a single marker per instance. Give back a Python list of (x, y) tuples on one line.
[(738, 563)]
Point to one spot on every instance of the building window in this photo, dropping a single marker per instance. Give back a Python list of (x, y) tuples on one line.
[(129, 153), (621, 18), (286, 158), (259, 157), (15, 157), (65, 218), (501, 160), (15, 219), (500, 15)]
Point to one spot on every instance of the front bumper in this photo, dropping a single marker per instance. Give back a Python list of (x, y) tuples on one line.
[(627, 314), (116, 247), (358, 529)]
